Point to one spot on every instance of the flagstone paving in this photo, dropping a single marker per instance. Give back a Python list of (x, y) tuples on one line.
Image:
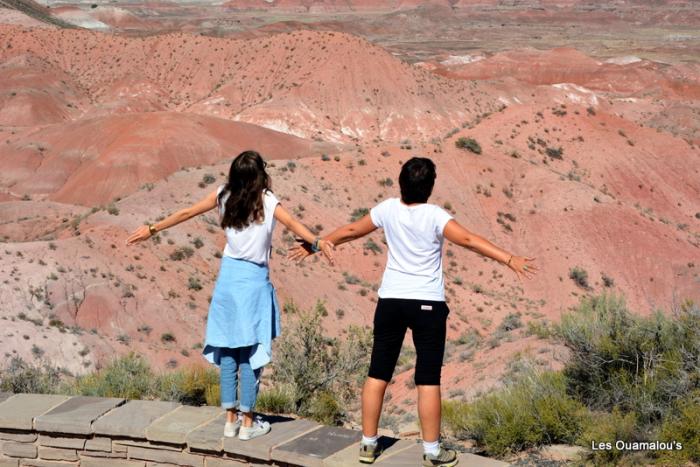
[(49, 430)]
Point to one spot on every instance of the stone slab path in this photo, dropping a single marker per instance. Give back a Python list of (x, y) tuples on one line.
[(59, 431)]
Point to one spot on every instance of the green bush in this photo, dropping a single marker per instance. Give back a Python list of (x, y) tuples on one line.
[(181, 253), (194, 283), (638, 364), (531, 411), (555, 153), (129, 377), (19, 376), (358, 214), (372, 246), (683, 425), (113, 209), (194, 385), (510, 322), (325, 408), (579, 276), (309, 364), (602, 427), (167, 337), (277, 399), (540, 329), (469, 144)]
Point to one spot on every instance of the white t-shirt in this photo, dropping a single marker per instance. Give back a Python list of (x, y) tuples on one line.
[(254, 242), (415, 237)]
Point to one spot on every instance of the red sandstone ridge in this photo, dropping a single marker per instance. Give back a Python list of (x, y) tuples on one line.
[(34, 92), (661, 95), (566, 65), (311, 84), (123, 152), (329, 6)]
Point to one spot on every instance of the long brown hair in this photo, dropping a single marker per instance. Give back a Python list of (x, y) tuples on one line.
[(247, 182)]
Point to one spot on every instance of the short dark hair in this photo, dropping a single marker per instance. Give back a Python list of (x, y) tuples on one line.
[(416, 180)]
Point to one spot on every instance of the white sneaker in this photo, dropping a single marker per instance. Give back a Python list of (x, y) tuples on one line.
[(231, 428), (259, 428)]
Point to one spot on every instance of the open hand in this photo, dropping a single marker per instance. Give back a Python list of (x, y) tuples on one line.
[(139, 235), (523, 267), (300, 251), (327, 250), (303, 250)]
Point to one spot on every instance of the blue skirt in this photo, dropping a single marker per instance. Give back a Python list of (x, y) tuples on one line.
[(243, 312)]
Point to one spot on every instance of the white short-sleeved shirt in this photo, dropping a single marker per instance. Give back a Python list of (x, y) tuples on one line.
[(414, 235), (254, 242)]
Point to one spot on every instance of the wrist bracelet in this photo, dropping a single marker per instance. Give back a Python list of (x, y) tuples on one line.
[(508, 263), (314, 246), (152, 229)]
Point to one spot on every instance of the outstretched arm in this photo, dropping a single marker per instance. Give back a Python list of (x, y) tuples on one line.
[(353, 231), (457, 234), (286, 219), (143, 232), (341, 235)]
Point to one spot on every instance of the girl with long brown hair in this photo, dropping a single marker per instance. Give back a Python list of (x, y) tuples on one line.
[(244, 313)]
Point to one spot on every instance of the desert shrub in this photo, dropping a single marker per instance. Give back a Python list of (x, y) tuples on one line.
[(19, 376), (456, 418), (469, 338), (510, 322), (167, 337), (629, 378), (113, 209), (194, 283), (579, 276), (358, 214), (555, 153), (603, 427), (607, 280), (277, 399), (181, 253), (314, 366), (540, 329), (326, 408), (531, 411), (638, 364), (682, 425), (129, 377), (372, 246), (469, 144), (194, 385)]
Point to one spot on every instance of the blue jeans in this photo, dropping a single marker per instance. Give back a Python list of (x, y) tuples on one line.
[(233, 360)]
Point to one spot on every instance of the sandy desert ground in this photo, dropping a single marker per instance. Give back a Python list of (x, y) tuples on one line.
[(586, 111)]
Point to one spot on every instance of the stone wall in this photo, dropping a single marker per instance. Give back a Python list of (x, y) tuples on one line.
[(40, 430)]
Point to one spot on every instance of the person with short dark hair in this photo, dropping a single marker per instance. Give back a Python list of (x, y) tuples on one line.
[(244, 315), (412, 296)]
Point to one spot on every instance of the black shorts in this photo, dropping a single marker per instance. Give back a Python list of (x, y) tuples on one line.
[(428, 322)]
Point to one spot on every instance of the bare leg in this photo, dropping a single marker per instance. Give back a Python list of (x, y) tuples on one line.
[(372, 400), (230, 415), (247, 419), (429, 412)]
